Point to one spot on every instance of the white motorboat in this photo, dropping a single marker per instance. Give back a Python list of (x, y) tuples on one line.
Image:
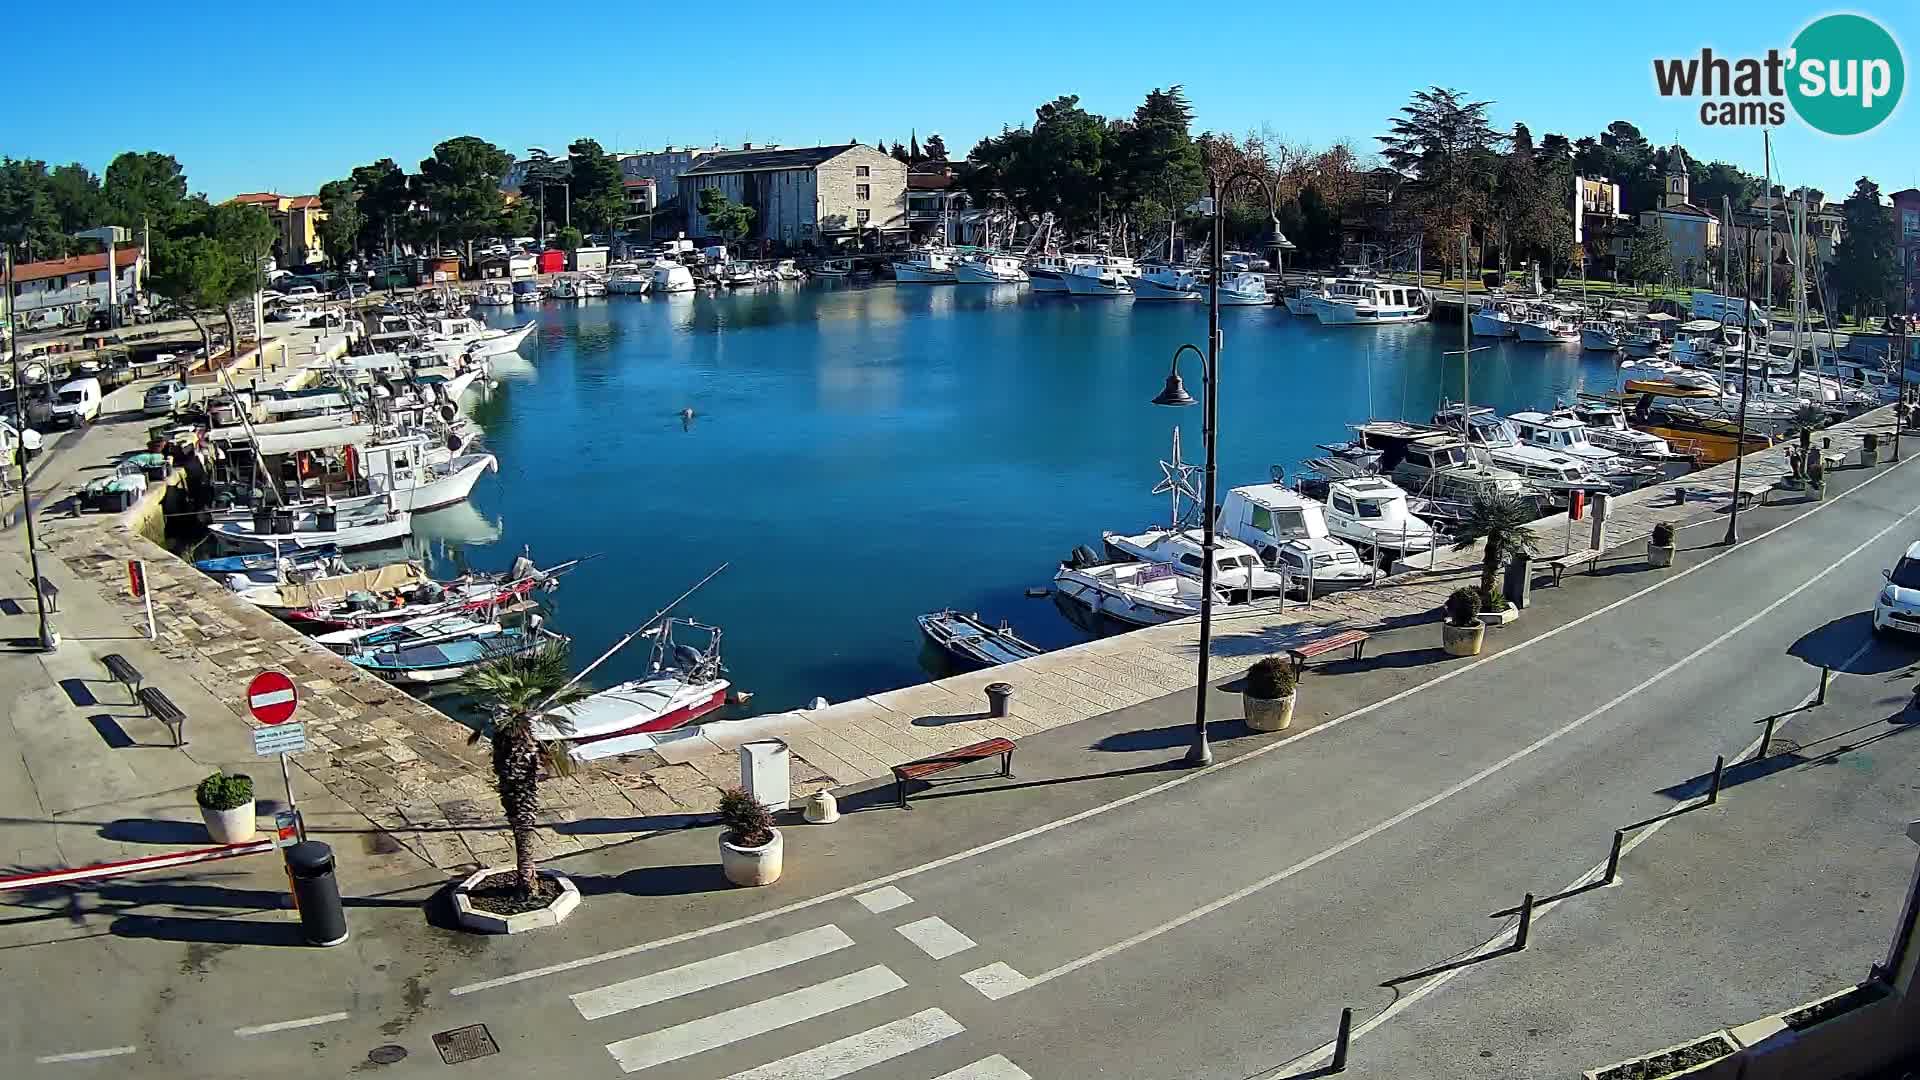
[(1102, 275), (834, 268), (1298, 299), (1371, 513), (1491, 439), (494, 294), (1705, 342), (989, 270), (1237, 570), (1435, 464), (670, 277), (417, 486), (1135, 593), (1562, 434), (1048, 273), (736, 274), (1166, 283), (1367, 302), (1494, 318), (1547, 324), (682, 685), (1600, 335), (1607, 427), (788, 270), (1289, 532), (1647, 336), (567, 287), (928, 266), (363, 525), (630, 283), (1244, 289)]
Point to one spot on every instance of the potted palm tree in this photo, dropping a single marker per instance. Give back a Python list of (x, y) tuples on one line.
[(1268, 696), (226, 805), (750, 847), (1463, 633), (1660, 545), (513, 694), (1501, 521)]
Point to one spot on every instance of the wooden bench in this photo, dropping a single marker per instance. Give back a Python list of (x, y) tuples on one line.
[(51, 593), (124, 673), (160, 707), (1560, 563), (1313, 647), (952, 759)]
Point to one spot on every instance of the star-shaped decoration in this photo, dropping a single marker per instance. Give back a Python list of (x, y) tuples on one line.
[(1177, 479)]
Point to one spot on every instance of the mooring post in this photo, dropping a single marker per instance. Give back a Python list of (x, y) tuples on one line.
[(1826, 676), (1526, 922), (1766, 738), (1719, 765), (1613, 857), (1340, 1041)]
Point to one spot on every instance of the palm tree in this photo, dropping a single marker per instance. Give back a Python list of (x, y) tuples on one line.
[(1500, 520), (514, 693)]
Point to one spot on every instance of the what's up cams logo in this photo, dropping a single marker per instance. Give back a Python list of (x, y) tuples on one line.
[(1843, 75)]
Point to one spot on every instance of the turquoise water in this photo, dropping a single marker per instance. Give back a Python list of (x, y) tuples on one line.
[(861, 456)]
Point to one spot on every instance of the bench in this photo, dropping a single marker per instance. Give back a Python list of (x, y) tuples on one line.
[(50, 593), (124, 673), (952, 759), (160, 707), (1311, 648), (1560, 563)]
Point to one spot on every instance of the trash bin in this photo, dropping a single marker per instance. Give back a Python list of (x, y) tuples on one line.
[(262, 520), (317, 892), (283, 521), (999, 699), (764, 772), (1518, 588), (326, 519)]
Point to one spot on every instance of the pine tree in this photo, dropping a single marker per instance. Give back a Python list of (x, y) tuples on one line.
[(1864, 266)]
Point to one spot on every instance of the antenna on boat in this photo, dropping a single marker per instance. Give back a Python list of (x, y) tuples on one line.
[(1466, 343), (622, 643)]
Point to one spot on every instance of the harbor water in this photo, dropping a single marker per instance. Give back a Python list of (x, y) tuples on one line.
[(863, 455)]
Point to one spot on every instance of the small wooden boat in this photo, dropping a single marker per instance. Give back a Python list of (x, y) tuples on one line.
[(972, 643), (444, 661), (297, 559)]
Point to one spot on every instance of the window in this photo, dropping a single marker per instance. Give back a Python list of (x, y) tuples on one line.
[(1370, 508), (1190, 560), (1263, 519), (862, 170), (862, 192), (1289, 523), (1342, 503), (860, 217)]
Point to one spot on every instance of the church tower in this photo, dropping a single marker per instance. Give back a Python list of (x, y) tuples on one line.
[(1677, 179)]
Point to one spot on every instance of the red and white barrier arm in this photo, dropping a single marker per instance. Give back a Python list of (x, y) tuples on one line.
[(101, 871)]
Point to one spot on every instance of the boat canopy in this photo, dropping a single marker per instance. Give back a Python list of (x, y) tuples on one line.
[(303, 403), (1670, 389)]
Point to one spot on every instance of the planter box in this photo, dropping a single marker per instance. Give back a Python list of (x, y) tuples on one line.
[(235, 826), (752, 866), (1268, 714), (1847, 1033), (475, 918), (1462, 640), (1502, 617), (1659, 557), (1713, 1057)]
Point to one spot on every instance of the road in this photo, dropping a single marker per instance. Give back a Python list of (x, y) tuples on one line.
[(1109, 915)]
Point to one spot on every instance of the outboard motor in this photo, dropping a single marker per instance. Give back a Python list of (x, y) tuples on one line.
[(1083, 557)]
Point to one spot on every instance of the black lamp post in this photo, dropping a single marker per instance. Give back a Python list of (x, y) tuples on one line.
[(34, 371), (1175, 394)]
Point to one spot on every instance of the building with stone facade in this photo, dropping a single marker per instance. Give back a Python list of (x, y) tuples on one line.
[(807, 197), (1906, 239), (1692, 231)]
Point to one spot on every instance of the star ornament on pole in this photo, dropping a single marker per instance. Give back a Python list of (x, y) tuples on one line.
[(1176, 479)]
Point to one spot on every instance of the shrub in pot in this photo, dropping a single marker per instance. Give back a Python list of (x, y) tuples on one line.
[(750, 847), (226, 805), (1660, 545), (1269, 694), (1870, 448), (1463, 633)]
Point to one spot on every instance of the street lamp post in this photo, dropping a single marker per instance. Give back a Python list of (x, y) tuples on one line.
[(34, 372), (1740, 446), (1200, 752), (1898, 324)]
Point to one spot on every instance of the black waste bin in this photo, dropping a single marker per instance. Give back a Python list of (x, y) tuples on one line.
[(322, 920), (283, 521), (999, 699), (326, 519), (1518, 588), (262, 520)]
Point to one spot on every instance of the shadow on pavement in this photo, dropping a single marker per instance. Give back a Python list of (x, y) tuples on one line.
[(79, 692), (947, 718), (602, 826), (878, 794), (1831, 644), (111, 732), (685, 880), (1404, 658), (1169, 737), (155, 831), (208, 931)]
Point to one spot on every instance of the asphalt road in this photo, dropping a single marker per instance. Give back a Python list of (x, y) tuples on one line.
[(1110, 916)]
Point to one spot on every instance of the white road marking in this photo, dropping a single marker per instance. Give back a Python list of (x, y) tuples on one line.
[(1318, 1056), (884, 899), (85, 1055), (1161, 788), (706, 974), (996, 980), (289, 1025), (987, 1068), (936, 937), (856, 1052), (1439, 797), (758, 1018)]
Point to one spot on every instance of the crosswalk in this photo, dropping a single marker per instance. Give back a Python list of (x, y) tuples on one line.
[(821, 1002)]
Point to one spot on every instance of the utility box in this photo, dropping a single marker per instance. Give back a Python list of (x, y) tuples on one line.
[(1518, 588), (1600, 501), (764, 765)]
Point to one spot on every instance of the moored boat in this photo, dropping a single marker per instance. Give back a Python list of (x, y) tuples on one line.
[(970, 643), (683, 684)]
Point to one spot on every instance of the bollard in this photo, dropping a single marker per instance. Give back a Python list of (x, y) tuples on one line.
[(999, 700), (1713, 793), (1766, 739), (1613, 857), (1526, 923), (316, 893), (1340, 1041), (1826, 676)]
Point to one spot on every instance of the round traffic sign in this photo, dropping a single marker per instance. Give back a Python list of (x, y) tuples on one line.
[(271, 697)]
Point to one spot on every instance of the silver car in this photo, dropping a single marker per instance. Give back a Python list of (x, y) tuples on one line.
[(164, 398)]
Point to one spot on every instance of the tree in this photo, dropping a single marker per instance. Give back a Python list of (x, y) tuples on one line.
[(1501, 521), (460, 184), (245, 234), (936, 148), (1721, 180), (569, 239), (599, 194), (1865, 273), (1531, 205), (900, 154), (1446, 145), (385, 204), (514, 694), (1650, 259), (194, 270), (77, 198), (29, 218), (145, 189), (1157, 160), (730, 219), (341, 229), (914, 156)]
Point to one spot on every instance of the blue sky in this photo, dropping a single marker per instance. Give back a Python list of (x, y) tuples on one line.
[(253, 97)]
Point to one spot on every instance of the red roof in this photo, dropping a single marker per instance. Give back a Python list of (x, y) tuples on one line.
[(78, 264), (929, 181), (637, 181), (257, 197), (304, 202)]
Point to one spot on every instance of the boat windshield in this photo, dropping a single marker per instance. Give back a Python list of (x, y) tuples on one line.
[(1285, 521), (1232, 562), (1906, 574), (1447, 457), (1372, 508)]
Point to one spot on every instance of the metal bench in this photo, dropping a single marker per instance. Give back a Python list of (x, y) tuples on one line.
[(50, 593), (161, 707), (1311, 648), (952, 759), (1560, 563), (124, 673)]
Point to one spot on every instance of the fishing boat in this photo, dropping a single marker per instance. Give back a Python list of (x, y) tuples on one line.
[(989, 270), (1431, 463), (1370, 512), (634, 282), (1494, 318), (1048, 273), (299, 591), (479, 592), (1604, 334), (269, 561), (1135, 593), (1606, 427), (1562, 434), (970, 643), (683, 683), (834, 268), (1547, 324), (1237, 569), (1245, 289), (1298, 299), (1166, 283), (494, 294), (1289, 532), (418, 630), (1102, 275), (315, 525), (1491, 439), (1648, 336), (928, 266), (454, 658), (1367, 302), (568, 288)]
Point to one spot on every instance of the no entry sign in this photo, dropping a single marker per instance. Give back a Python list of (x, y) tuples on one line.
[(271, 697)]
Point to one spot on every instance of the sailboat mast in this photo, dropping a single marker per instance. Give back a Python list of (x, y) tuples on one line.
[(1466, 344), (1766, 172)]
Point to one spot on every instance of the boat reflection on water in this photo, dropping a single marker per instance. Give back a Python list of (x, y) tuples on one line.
[(456, 526)]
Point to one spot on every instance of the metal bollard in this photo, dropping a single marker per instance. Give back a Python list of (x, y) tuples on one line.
[(1526, 923), (1826, 677), (1719, 765), (1613, 857), (316, 893), (1340, 1041)]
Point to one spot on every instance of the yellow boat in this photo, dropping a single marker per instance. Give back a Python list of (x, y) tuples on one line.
[(1709, 441)]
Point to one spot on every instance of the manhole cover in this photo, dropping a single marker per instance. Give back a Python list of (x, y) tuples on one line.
[(386, 1055), (464, 1044)]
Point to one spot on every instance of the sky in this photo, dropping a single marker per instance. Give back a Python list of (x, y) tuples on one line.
[(252, 97)]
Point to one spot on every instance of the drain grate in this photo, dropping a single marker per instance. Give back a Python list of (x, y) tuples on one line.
[(464, 1044), (387, 1055)]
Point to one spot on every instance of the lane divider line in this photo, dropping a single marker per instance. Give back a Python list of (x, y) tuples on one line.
[(289, 1025), (85, 1055)]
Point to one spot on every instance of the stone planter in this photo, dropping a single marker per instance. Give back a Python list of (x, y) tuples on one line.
[(1658, 556), (1462, 640), (752, 865), (1268, 714), (474, 918), (1721, 1056), (1500, 618), (235, 826)]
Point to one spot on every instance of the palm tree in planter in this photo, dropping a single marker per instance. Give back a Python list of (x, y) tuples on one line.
[(1501, 521), (514, 694)]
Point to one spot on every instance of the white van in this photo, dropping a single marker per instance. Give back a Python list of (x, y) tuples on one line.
[(77, 402)]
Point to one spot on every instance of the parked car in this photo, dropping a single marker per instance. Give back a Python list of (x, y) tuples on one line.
[(77, 402), (303, 292), (1898, 605), (163, 398), (353, 291)]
